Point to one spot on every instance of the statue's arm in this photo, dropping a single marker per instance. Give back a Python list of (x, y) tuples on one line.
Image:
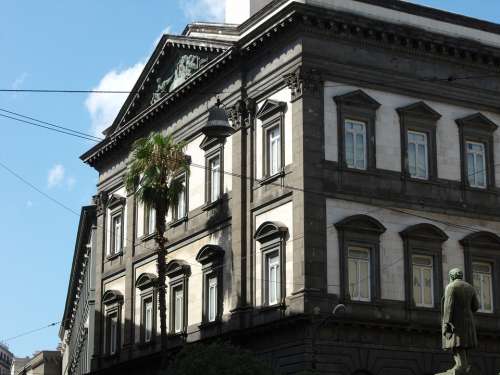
[(448, 305)]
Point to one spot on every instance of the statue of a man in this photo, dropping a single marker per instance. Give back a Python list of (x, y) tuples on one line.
[(458, 327)]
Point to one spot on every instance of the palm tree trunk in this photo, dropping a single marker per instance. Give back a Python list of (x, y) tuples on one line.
[(161, 268)]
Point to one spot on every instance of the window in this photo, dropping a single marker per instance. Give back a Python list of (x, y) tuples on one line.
[(180, 208), (214, 180), (476, 165), (418, 155), (359, 274), (274, 150), (149, 219), (356, 115), (477, 157), (146, 284), (423, 265), (178, 309), (273, 279), (178, 272), (212, 299), (483, 282), (272, 239), (116, 234), (148, 319), (211, 257), (359, 245), (423, 274), (271, 116), (112, 301), (355, 144)]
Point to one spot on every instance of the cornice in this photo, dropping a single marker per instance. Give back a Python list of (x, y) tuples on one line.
[(319, 21)]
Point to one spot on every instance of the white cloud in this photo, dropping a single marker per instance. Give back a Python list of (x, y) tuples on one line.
[(18, 82), (103, 108), (70, 182), (56, 176), (203, 10)]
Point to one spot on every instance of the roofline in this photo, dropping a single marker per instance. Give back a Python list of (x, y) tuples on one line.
[(87, 215)]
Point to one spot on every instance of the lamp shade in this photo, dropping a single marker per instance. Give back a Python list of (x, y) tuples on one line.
[(218, 125)]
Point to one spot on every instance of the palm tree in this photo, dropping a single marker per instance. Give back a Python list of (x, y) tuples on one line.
[(155, 165)]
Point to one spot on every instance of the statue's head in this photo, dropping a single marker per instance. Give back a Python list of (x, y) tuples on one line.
[(456, 274)]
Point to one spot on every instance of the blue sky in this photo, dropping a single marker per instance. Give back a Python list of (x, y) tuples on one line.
[(84, 45)]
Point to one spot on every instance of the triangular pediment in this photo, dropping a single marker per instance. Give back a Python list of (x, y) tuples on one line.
[(172, 66), (479, 122), (419, 110), (269, 108), (357, 98)]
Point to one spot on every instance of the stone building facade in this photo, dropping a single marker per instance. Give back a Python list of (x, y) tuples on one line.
[(46, 362), (363, 168), (6, 358), (77, 327)]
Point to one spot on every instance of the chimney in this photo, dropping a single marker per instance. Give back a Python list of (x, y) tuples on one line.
[(238, 11)]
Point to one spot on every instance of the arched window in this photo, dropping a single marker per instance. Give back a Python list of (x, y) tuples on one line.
[(423, 265), (178, 271), (272, 237), (359, 247), (112, 301), (146, 283), (482, 262), (211, 258)]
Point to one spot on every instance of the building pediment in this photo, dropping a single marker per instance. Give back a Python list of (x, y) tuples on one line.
[(419, 110), (478, 122), (269, 108), (357, 98), (175, 61)]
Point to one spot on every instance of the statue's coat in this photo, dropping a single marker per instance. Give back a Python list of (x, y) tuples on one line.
[(459, 304)]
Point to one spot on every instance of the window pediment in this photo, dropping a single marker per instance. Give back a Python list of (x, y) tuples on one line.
[(361, 223), (269, 230), (145, 281), (477, 123), (269, 108), (419, 110), (424, 232), (357, 98), (209, 253), (112, 297), (177, 267), (115, 201), (210, 142), (481, 239)]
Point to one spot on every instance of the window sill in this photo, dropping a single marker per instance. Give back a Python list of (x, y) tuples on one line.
[(147, 237), (114, 256), (268, 179), (207, 325), (145, 345), (178, 222), (210, 205), (425, 309), (278, 306)]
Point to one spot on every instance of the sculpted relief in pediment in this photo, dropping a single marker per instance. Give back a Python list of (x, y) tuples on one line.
[(185, 67)]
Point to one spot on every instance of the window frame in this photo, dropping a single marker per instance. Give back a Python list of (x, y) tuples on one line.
[(424, 240), (360, 107), (484, 247), (112, 302), (477, 128), (113, 215), (492, 276), (211, 259), (271, 115), (272, 237), (216, 153), (178, 272), (432, 288), (146, 284), (148, 214), (360, 231), (485, 169), (365, 144), (176, 218), (369, 251), (419, 118)]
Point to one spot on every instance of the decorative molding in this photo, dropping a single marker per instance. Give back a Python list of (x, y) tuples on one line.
[(145, 281), (100, 200), (269, 230), (210, 253), (177, 267)]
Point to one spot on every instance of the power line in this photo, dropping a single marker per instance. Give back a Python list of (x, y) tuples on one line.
[(51, 124)]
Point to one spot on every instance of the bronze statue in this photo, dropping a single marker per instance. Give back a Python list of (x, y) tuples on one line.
[(460, 302)]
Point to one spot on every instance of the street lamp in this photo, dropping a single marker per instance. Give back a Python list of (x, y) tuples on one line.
[(218, 125)]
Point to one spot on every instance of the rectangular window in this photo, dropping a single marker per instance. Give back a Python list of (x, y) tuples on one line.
[(149, 220), (359, 274), (178, 310), (214, 178), (273, 150), (476, 164), (418, 155), (273, 279), (355, 144), (148, 319), (116, 234), (212, 299), (483, 282), (113, 333), (180, 207), (423, 280)]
